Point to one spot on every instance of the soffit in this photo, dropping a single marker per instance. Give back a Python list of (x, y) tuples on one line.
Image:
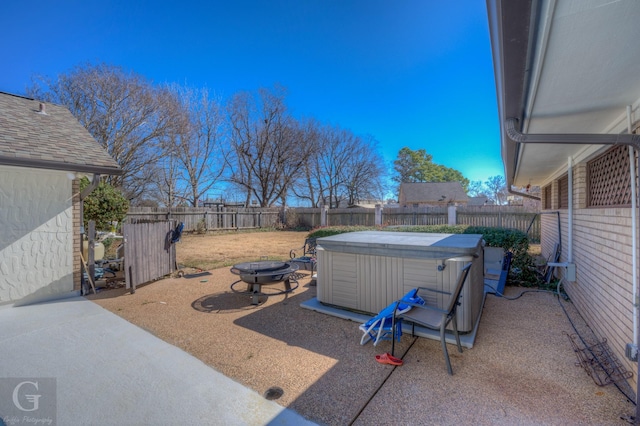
[(582, 72)]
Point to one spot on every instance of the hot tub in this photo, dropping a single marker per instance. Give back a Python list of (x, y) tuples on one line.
[(366, 271)]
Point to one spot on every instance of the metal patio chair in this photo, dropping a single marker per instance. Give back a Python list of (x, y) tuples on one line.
[(307, 250)]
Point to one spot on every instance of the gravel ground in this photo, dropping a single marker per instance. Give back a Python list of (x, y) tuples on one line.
[(521, 370)]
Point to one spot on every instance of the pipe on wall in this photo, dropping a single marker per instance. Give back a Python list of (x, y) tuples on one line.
[(570, 210), (510, 126), (634, 232), (515, 135)]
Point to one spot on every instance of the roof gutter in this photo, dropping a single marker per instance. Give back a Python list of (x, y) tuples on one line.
[(570, 138), (515, 135), (56, 165), (522, 194)]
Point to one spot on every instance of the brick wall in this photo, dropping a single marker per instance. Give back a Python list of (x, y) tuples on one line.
[(602, 252)]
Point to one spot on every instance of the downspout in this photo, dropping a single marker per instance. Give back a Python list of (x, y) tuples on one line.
[(570, 210), (93, 185), (634, 233)]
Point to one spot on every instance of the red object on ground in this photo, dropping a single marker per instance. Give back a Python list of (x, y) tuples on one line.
[(387, 358)]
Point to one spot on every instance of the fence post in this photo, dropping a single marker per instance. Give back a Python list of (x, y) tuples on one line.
[(378, 217), (452, 213), (283, 216), (323, 215)]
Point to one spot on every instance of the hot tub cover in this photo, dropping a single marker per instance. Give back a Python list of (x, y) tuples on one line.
[(416, 245)]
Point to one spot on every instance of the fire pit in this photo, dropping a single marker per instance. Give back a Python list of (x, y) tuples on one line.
[(264, 272)]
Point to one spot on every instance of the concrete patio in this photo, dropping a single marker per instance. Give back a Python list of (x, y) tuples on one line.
[(110, 372), (521, 369)]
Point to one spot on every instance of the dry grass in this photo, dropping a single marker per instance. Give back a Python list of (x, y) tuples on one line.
[(213, 251)]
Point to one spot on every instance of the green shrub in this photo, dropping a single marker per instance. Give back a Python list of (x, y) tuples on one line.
[(430, 229), (104, 205), (517, 242), (513, 240), (335, 230)]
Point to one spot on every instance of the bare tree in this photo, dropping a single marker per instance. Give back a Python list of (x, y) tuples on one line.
[(165, 188), (308, 185), (362, 176), (497, 187), (476, 188), (343, 167), (197, 145), (128, 116), (321, 177), (266, 150)]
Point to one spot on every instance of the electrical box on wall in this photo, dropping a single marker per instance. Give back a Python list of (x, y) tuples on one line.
[(631, 352), (569, 270), (570, 273)]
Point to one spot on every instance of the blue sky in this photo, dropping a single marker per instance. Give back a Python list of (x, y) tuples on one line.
[(414, 73)]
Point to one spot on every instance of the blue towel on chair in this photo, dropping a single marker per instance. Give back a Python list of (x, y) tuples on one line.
[(378, 327)]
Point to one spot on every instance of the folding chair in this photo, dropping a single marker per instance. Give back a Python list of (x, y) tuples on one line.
[(433, 317)]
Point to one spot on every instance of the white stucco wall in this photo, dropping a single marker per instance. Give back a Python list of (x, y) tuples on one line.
[(36, 234)]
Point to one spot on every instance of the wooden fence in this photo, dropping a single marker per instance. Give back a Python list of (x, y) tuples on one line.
[(499, 217), (148, 251), (402, 216), (203, 219), (514, 217)]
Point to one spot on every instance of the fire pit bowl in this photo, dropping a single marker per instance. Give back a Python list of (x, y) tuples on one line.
[(264, 272)]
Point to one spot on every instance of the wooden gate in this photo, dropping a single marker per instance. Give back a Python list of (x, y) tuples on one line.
[(148, 251)]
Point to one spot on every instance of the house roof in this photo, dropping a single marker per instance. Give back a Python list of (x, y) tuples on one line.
[(423, 192), (478, 201), (52, 139), (562, 67)]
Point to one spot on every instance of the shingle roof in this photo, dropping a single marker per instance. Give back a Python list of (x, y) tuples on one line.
[(433, 191), (478, 201), (50, 140)]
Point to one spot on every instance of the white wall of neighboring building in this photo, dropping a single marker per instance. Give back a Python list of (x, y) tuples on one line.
[(36, 234)]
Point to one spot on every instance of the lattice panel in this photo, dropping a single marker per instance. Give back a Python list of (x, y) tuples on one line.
[(609, 182)]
